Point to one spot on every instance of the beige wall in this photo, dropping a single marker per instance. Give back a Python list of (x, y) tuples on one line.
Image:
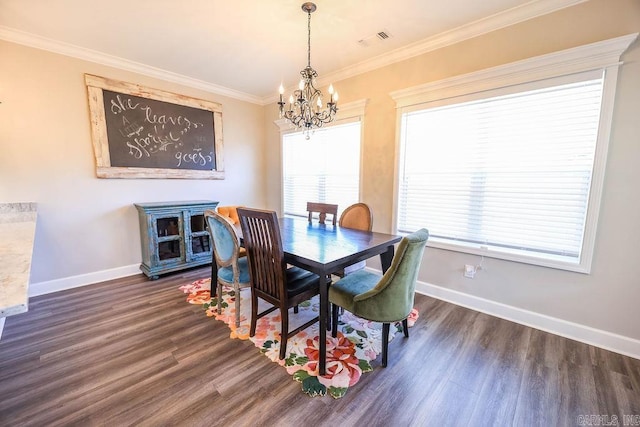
[(607, 299), (86, 224)]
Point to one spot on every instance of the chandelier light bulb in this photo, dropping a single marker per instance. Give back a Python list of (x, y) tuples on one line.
[(331, 89), (281, 103)]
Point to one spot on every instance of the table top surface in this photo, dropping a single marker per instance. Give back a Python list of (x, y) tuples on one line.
[(328, 246)]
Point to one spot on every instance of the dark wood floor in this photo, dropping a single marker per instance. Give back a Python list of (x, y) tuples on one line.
[(133, 352)]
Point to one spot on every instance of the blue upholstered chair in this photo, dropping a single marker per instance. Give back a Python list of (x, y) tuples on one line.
[(233, 270), (230, 213), (387, 298)]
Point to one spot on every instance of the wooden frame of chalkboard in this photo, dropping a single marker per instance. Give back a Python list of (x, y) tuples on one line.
[(139, 132)]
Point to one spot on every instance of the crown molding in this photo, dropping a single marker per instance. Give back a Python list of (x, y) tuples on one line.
[(38, 42), (491, 23), (589, 57), (473, 29)]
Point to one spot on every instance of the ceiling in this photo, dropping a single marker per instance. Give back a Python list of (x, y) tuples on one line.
[(246, 48)]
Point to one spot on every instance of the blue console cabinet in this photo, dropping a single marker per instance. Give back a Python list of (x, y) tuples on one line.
[(173, 236)]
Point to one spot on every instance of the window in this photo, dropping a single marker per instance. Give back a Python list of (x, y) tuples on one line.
[(325, 168), (512, 171)]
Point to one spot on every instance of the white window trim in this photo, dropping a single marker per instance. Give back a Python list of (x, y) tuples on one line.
[(604, 55), (349, 112)]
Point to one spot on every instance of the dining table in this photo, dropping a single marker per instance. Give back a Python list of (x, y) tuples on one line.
[(324, 249)]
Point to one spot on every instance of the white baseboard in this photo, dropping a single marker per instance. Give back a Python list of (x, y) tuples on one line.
[(42, 288), (586, 334)]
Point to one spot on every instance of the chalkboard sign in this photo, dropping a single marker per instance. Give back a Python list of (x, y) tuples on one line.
[(146, 133)]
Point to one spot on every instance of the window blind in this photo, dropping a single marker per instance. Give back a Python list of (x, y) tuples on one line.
[(325, 168), (510, 173)]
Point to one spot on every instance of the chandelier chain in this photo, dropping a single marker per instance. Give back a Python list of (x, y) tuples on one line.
[(309, 38)]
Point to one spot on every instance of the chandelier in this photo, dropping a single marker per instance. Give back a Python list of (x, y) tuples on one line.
[(305, 104)]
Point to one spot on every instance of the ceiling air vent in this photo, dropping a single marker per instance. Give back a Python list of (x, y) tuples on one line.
[(374, 39)]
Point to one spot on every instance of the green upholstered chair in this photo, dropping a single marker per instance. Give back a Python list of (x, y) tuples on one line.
[(387, 298), (271, 280), (232, 270)]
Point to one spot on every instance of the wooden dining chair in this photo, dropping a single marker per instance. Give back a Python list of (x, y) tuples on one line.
[(322, 209), (231, 269), (382, 298), (271, 280)]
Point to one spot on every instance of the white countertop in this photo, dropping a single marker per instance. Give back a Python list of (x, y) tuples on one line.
[(17, 232)]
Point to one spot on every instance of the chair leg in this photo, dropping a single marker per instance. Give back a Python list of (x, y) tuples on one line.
[(254, 313), (214, 273), (334, 320), (284, 331), (237, 290), (385, 343), (405, 327), (219, 295)]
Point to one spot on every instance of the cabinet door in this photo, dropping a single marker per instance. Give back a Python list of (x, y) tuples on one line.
[(167, 229), (197, 240)]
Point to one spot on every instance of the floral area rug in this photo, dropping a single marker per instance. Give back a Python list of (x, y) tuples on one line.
[(349, 355)]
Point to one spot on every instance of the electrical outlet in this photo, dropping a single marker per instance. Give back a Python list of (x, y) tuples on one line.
[(469, 271)]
